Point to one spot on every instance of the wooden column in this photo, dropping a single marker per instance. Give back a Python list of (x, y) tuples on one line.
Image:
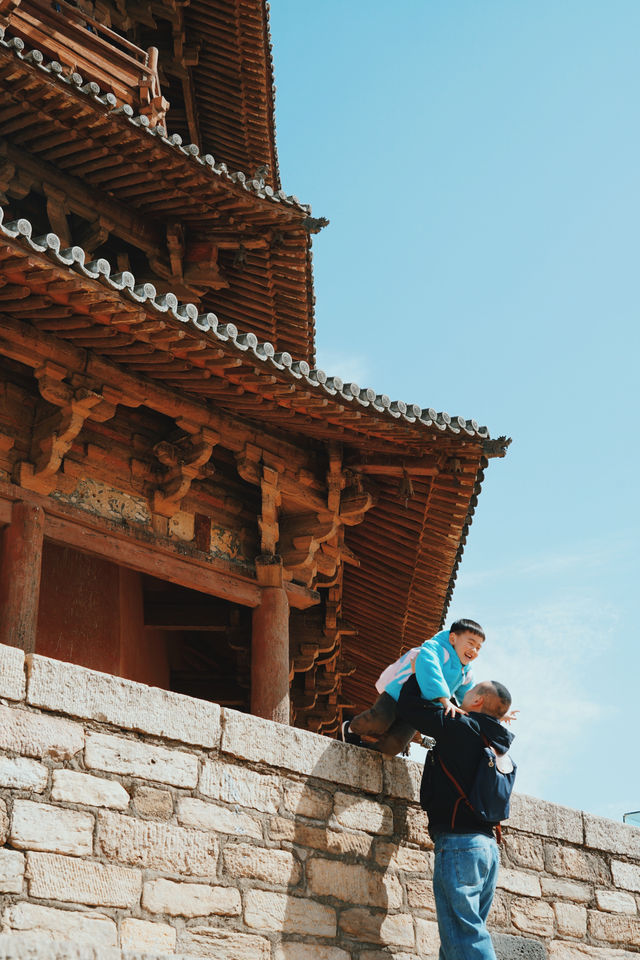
[(20, 567), (270, 644)]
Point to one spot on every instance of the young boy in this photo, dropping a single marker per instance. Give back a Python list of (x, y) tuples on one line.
[(442, 669)]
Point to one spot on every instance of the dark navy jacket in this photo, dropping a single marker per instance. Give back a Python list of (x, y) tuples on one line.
[(459, 743)]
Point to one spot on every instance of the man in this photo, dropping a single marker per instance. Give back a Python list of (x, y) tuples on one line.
[(466, 854)]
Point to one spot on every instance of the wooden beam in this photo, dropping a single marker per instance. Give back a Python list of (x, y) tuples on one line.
[(20, 569), (397, 466)]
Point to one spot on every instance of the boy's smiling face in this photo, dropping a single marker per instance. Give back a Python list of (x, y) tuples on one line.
[(467, 645)]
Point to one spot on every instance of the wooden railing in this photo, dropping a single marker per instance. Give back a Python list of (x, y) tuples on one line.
[(66, 33)]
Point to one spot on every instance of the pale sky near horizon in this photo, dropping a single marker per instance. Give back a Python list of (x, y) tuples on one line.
[(479, 164)]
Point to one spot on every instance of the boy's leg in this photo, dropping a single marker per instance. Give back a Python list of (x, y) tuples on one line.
[(396, 739), (377, 719)]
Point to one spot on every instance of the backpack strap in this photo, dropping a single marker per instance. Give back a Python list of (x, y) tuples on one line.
[(463, 796)]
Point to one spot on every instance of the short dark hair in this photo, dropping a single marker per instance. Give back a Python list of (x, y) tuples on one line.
[(498, 696), (467, 626)]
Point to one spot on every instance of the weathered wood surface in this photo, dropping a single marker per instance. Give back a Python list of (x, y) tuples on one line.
[(20, 570)]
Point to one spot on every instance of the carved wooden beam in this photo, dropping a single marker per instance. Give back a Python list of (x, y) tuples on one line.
[(183, 464)]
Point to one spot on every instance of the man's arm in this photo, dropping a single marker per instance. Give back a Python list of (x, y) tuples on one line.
[(427, 716)]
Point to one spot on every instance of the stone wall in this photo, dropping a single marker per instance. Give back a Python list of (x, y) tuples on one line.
[(143, 820)]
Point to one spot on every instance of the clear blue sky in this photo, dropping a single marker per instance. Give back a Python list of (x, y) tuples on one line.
[(480, 165)]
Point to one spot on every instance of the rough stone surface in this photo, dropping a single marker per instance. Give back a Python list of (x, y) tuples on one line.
[(262, 741), (38, 826), (222, 944), (571, 919), (615, 928), (53, 877), (209, 816), (268, 911), (359, 813), (34, 735), (427, 938), (12, 676), (233, 784), (416, 826), (616, 901), (353, 883), (4, 823), (190, 899), (157, 846), (79, 692), (577, 864), (533, 916), (76, 925), (517, 948), (378, 927), (402, 778), (523, 851), (566, 889), (307, 951), (137, 759), (545, 819), (333, 841), (515, 881), (420, 896), (145, 937), (272, 866), (11, 871), (151, 802), (405, 859), (18, 773), (611, 836), (561, 950), (82, 788), (626, 875), (306, 801), (36, 946)]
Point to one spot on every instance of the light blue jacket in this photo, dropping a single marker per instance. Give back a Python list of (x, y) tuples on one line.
[(438, 671)]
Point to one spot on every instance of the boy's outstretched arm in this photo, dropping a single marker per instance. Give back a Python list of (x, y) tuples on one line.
[(427, 716)]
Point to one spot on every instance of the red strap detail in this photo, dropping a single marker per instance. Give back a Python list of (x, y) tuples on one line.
[(499, 832), (463, 796), (455, 812)]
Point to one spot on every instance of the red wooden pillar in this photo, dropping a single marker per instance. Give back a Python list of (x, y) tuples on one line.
[(20, 567), (270, 645)]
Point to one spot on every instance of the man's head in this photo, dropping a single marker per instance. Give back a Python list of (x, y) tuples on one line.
[(488, 697), (466, 637)]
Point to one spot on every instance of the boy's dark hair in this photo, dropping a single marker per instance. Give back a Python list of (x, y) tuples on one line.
[(467, 626)]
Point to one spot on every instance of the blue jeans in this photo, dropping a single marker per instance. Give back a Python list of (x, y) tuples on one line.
[(464, 881)]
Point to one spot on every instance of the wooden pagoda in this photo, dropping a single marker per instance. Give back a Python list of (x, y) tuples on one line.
[(185, 499)]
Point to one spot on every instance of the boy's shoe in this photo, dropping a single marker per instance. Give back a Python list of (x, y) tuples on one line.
[(345, 734)]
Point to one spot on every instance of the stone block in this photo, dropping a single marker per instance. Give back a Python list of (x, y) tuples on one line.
[(78, 692), (277, 867), (577, 864), (611, 836), (53, 877), (616, 901), (560, 889), (523, 851), (623, 931), (402, 778), (137, 759), (371, 926), (561, 950), (12, 676), (306, 801), (282, 913), (499, 916), (427, 938), (626, 875), (405, 859), (341, 842), (525, 884), (517, 948), (79, 926), (545, 819), (82, 788), (35, 735), (190, 899), (420, 895), (19, 773), (39, 826), (417, 828), (210, 816), (533, 916), (140, 936), (234, 784), (571, 919), (309, 951), (11, 871), (151, 802), (359, 813), (157, 846), (262, 741), (219, 944), (4, 823), (353, 883)]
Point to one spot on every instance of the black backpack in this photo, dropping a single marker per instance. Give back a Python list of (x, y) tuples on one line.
[(491, 790)]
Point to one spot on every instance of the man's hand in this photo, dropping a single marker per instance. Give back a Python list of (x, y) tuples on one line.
[(450, 709)]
